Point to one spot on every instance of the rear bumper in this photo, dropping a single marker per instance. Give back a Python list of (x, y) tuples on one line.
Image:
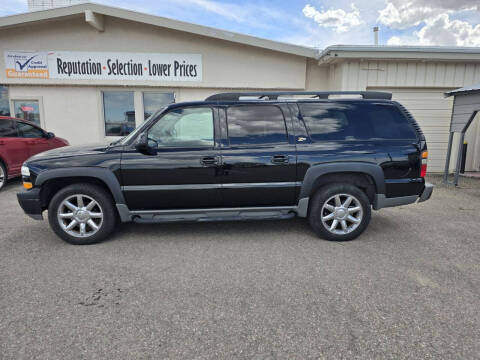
[(381, 201), (30, 203), (427, 192)]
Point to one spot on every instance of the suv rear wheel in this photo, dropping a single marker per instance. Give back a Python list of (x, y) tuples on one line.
[(339, 212), (82, 214)]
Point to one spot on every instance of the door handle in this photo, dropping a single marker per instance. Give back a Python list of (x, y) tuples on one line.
[(2, 142), (209, 160), (280, 159)]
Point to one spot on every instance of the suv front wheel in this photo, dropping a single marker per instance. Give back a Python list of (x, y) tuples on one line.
[(339, 212), (82, 214)]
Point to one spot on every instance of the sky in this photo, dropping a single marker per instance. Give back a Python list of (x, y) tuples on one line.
[(320, 23)]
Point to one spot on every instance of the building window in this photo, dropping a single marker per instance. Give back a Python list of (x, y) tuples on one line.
[(119, 112), (153, 101), (4, 106), (28, 110)]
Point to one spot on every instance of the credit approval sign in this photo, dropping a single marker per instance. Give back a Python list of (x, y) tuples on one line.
[(78, 65)]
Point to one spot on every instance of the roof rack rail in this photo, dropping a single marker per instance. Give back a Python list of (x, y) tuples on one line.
[(236, 96)]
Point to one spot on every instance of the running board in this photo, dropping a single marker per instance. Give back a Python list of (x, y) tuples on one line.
[(220, 214)]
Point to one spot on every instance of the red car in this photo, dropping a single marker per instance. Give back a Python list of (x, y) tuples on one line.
[(20, 139)]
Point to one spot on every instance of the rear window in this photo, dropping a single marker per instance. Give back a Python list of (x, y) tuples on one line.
[(256, 125), (344, 121)]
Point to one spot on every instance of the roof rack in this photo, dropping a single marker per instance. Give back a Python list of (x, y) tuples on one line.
[(234, 96)]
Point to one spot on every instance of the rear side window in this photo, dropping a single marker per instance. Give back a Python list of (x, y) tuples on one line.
[(256, 125), (7, 129), (344, 121)]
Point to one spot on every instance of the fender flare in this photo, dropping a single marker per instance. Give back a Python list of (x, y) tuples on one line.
[(102, 174), (316, 171)]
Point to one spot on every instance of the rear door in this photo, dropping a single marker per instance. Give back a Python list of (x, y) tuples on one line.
[(258, 156), (13, 151)]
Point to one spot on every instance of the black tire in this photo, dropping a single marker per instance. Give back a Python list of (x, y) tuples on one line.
[(106, 205), (3, 172), (317, 207)]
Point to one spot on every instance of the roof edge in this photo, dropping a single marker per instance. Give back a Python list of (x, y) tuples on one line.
[(334, 52), (35, 16)]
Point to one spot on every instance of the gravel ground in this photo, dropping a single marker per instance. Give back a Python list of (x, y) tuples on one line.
[(408, 288)]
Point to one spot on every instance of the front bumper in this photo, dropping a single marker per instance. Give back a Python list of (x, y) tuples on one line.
[(426, 193), (30, 203)]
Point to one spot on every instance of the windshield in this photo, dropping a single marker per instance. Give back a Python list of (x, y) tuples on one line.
[(125, 140)]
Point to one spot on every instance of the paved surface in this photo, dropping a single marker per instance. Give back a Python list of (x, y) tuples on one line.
[(408, 288)]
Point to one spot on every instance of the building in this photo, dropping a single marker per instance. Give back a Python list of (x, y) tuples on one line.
[(90, 72)]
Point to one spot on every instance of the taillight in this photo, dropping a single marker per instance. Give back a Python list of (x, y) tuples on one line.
[(423, 169)]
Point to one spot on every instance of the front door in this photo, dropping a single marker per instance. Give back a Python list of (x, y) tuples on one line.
[(35, 138), (258, 156), (184, 171)]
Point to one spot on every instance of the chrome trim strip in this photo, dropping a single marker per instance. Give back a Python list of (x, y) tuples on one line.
[(209, 186)]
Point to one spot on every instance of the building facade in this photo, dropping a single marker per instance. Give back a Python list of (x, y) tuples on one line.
[(92, 73)]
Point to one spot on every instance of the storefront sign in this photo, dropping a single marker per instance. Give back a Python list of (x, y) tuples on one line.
[(20, 64), (103, 66)]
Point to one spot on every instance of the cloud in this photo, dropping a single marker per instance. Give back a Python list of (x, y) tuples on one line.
[(441, 31), (338, 19), (401, 14)]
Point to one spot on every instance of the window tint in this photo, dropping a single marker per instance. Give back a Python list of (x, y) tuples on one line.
[(260, 124), (28, 131), (28, 110), (4, 106), (7, 128), (344, 121), (153, 101), (189, 127), (119, 112)]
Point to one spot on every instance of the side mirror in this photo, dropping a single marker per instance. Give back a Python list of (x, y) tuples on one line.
[(142, 145), (50, 135)]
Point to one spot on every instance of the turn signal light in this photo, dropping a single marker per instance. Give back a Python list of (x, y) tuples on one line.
[(423, 169), (27, 185)]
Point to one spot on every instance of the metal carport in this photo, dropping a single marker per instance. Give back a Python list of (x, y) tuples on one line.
[(466, 104)]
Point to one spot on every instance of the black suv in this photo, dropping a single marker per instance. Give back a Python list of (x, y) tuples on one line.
[(239, 156)]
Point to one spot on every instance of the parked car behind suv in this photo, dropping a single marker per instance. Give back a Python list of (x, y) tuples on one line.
[(20, 139), (238, 156)]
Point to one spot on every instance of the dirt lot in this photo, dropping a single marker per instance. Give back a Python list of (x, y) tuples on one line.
[(409, 287)]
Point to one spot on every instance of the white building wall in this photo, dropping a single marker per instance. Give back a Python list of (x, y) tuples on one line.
[(225, 64)]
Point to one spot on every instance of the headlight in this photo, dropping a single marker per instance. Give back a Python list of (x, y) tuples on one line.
[(25, 171)]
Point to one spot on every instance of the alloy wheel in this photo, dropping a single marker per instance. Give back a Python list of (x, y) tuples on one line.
[(80, 215), (341, 214)]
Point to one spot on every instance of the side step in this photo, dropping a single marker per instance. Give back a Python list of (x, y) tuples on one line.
[(224, 214)]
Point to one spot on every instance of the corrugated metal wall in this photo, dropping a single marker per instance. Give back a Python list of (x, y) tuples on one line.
[(419, 87)]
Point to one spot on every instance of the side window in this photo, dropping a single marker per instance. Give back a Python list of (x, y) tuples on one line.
[(7, 129), (189, 127), (28, 131), (389, 123), (326, 122), (256, 125), (350, 121)]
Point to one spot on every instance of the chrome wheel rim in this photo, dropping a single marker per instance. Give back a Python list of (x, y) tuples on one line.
[(2, 177), (341, 214), (80, 216)]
